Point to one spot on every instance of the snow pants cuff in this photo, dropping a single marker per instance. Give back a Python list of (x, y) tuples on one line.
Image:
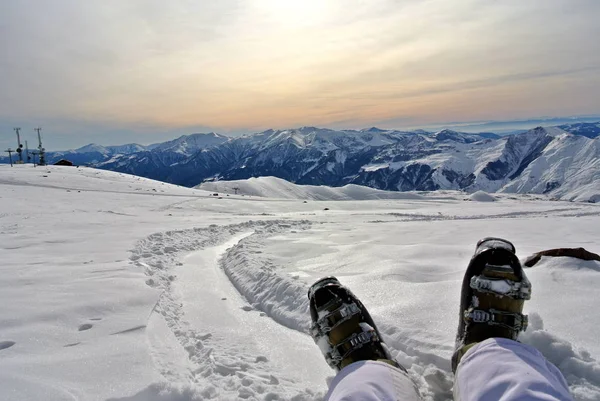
[(506, 370), (372, 381)]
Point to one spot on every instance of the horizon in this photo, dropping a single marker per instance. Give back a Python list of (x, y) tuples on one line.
[(146, 72), (468, 127)]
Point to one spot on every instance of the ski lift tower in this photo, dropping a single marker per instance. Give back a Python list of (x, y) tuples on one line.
[(41, 150), (19, 146), (9, 151), (34, 153)]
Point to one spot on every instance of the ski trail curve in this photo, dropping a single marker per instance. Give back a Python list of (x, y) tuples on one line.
[(243, 340), (206, 340)]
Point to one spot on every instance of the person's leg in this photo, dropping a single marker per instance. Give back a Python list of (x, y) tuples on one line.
[(352, 346), (493, 292), (488, 362), (372, 381), (501, 369)]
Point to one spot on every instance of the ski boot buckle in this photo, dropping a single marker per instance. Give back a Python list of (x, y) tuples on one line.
[(513, 321)]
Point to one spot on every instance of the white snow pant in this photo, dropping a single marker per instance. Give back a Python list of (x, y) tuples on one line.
[(497, 369)]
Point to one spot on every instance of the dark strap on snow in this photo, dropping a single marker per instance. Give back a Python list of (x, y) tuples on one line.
[(508, 320)]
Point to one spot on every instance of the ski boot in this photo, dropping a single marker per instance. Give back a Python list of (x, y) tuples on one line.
[(493, 292), (342, 326)]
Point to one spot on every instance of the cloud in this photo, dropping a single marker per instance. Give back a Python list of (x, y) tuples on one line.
[(255, 64)]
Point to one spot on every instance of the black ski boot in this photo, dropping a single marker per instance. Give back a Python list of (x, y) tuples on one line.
[(342, 326), (493, 292)]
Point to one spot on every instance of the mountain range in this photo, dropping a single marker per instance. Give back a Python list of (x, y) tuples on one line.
[(562, 161)]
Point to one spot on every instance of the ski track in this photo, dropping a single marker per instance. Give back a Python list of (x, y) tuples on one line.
[(218, 370), (575, 212)]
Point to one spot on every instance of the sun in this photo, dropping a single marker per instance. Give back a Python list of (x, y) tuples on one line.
[(295, 13)]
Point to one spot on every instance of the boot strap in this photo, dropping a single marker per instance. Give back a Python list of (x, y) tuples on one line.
[(509, 320), (502, 287), (344, 349), (331, 320)]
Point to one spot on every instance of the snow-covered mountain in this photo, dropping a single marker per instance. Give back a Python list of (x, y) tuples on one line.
[(91, 148), (158, 160), (569, 167), (170, 151), (381, 159), (189, 144), (590, 130), (126, 149), (389, 160), (307, 155), (93, 153), (90, 154)]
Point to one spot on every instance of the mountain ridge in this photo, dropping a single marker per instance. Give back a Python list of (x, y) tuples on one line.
[(381, 159), (387, 160)]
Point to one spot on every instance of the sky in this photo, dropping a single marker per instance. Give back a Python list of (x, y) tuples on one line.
[(111, 71)]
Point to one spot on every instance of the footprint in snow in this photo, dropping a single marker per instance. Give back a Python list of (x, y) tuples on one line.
[(85, 326), (6, 344), (204, 336)]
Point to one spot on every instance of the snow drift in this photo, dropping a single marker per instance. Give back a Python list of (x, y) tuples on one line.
[(273, 187), (481, 196)]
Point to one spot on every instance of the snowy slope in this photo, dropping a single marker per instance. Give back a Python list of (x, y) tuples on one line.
[(107, 150), (590, 130), (126, 149), (306, 155), (381, 159), (184, 147), (273, 187), (569, 168), (116, 287), (568, 161), (189, 144), (386, 160), (94, 153), (92, 147)]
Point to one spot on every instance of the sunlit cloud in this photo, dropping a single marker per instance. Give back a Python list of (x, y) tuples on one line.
[(248, 65)]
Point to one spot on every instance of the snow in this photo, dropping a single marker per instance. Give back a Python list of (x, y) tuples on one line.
[(571, 163), (116, 287), (541, 160), (501, 286), (190, 144), (273, 187), (126, 149), (92, 147), (481, 196), (554, 131)]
